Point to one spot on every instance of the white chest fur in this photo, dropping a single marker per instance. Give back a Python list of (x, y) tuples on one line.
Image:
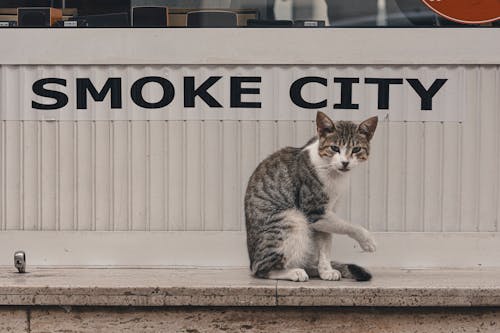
[(335, 183), (335, 187)]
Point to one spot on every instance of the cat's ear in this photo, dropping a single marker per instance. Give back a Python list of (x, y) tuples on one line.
[(324, 124), (367, 127)]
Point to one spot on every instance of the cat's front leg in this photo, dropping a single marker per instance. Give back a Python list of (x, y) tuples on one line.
[(331, 223), (324, 245)]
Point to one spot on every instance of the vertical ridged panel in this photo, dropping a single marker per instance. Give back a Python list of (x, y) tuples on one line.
[(396, 177), (470, 154), (231, 181), (176, 197), (30, 176), (377, 182), (84, 175), (156, 175), (67, 168), (102, 166), (191, 175), (48, 175), (487, 163), (119, 174), (12, 178), (138, 177), (194, 170), (432, 176), (213, 175)]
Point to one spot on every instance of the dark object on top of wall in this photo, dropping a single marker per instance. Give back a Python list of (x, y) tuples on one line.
[(113, 20), (39, 17), (309, 23), (352, 13), (149, 16), (265, 8), (96, 7), (73, 22), (31, 3), (8, 24), (212, 19), (270, 23)]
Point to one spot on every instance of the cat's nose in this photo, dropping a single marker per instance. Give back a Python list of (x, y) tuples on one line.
[(345, 164)]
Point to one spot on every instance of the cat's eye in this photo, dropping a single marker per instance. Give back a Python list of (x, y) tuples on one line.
[(356, 150), (336, 149)]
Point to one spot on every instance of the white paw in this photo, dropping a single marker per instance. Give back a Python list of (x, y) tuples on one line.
[(298, 275), (367, 242), (330, 275)]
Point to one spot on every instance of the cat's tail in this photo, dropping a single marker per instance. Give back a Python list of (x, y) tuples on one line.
[(352, 271)]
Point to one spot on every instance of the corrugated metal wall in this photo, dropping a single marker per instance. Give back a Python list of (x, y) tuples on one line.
[(191, 175)]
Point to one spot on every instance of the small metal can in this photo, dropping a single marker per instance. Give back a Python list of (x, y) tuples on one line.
[(20, 261)]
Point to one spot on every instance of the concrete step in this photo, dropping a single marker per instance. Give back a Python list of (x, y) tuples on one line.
[(235, 287), (227, 299)]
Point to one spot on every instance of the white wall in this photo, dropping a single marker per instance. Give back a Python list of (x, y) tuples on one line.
[(439, 177), (191, 175)]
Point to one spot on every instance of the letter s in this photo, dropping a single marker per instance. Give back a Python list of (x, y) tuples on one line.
[(40, 90)]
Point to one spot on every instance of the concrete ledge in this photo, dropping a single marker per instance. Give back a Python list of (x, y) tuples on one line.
[(401, 288), (235, 287), (136, 287)]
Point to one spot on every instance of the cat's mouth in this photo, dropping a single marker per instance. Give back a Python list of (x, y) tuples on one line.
[(344, 169)]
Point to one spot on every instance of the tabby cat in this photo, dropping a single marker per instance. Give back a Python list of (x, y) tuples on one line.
[(290, 205)]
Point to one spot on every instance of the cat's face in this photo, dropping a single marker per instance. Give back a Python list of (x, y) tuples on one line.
[(344, 144)]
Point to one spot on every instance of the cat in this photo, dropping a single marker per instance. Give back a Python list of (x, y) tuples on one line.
[(290, 204)]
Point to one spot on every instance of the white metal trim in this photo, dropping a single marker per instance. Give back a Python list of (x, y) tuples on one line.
[(371, 46), (210, 249)]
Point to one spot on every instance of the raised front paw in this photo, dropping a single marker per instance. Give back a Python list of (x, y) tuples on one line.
[(368, 243), (330, 275)]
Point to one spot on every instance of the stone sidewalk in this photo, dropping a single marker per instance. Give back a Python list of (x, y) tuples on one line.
[(229, 300), (235, 287)]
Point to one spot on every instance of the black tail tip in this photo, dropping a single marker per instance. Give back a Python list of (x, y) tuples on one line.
[(359, 273)]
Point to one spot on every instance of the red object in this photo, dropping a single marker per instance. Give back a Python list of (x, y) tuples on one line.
[(466, 11)]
